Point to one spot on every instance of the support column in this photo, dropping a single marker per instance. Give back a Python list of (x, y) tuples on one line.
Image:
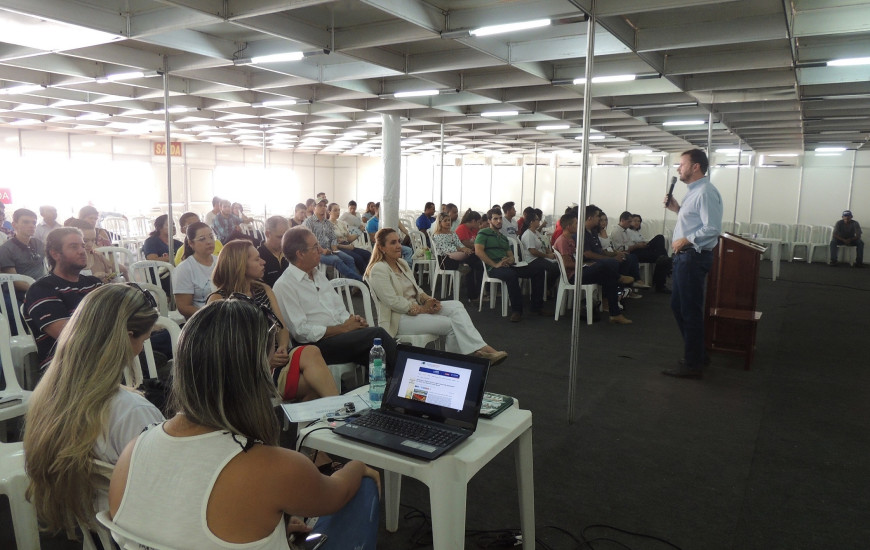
[(391, 153), (168, 150)]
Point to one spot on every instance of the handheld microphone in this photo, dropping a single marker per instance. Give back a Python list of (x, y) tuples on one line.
[(671, 190)]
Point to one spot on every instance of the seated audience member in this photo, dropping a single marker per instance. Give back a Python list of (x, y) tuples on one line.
[(231, 484), (592, 249), (316, 314), (494, 250), (374, 222), (602, 231), (99, 265), (83, 386), (521, 223), (599, 272), (23, 253), (309, 207), (468, 228), (227, 226), (370, 211), (6, 230), (847, 232), (535, 250), (346, 240), (185, 220), (484, 222), (215, 210), (323, 229), (508, 221), (425, 220), (299, 373), (453, 213), (628, 237), (48, 223), (191, 282), (300, 214), (51, 300), (156, 246), (454, 254), (270, 250), (558, 229), (239, 212), (353, 220), (92, 216), (405, 309)]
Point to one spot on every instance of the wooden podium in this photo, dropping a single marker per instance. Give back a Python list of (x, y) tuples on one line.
[(732, 292)]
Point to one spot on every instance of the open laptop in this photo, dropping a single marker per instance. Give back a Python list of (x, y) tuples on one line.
[(430, 406)]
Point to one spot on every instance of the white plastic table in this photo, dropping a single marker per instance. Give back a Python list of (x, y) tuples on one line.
[(447, 476), (775, 246)]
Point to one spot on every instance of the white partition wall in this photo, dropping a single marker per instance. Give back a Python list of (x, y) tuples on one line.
[(608, 188), (568, 180), (825, 187), (775, 195), (736, 187), (647, 186)]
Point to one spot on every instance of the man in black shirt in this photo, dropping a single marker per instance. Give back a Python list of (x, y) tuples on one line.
[(51, 300), (847, 232), (270, 250)]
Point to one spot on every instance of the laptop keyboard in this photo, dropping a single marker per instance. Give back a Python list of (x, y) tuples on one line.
[(415, 431)]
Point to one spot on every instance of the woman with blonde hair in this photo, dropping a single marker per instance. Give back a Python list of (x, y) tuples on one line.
[(80, 411), (213, 476), (405, 309), (300, 373), (453, 254)]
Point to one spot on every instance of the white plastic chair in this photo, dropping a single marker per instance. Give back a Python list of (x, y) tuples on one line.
[(845, 251), (422, 266), (22, 346), (566, 288), (13, 484), (117, 256), (820, 237), (343, 287), (800, 237), (760, 229), (13, 390), (417, 340), (126, 539), (443, 274), (728, 227), (779, 231), (742, 228), (148, 271), (494, 286), (138, 375)]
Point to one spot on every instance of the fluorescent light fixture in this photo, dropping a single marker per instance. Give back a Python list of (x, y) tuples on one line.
[(684, 123), (22, 89), (553, 127), (594, 137), (374, 119), (278, 102), (603, 79), (24, 122), (830, 149), (612, 155), (93, 116), (729, 151), (277, 58), (412, 141), (782, 155), (640, 151), (849, 62), (43, 34), (121, 76), (416, 93), (495, 114), (509, 27)]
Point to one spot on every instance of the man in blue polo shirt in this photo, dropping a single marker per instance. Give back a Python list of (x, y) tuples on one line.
[(699, 223), (427, 218)]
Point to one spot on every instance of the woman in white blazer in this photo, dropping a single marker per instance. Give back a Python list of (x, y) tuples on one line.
[(405, 309)]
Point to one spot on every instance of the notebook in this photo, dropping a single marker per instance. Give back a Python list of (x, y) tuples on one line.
[(431, 405)]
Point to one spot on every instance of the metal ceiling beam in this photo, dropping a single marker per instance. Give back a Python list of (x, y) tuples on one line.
[(77, 13), (508, 12), (712, 33), (284, 26), (419, 13), (382, 33), (194, 42), (168, 19), (696, 62), (832, 20), (239, 9)]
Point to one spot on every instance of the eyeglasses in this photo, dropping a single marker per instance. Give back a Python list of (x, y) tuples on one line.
[(274, 322), (314, 247), (149, 298), (205, 238)]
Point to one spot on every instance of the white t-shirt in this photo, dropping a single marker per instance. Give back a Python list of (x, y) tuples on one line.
[(353, 221), (191, 277), (509, 227), (129, 414)]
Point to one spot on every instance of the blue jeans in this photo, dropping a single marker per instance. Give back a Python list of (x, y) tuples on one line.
[(606, 274), (859, 250), (356, 525), (408, 254), (511, 275), (343, 263), (361, 258), (687, 302)]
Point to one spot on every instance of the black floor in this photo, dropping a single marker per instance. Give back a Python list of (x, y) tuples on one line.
[(774, 457)]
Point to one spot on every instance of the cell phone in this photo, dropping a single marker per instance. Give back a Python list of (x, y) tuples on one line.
[(314, 541)]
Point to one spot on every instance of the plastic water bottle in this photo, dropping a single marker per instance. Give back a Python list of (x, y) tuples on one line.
[(377, 374)]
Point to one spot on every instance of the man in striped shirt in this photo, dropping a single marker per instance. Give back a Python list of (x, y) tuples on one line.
[(51, 300)]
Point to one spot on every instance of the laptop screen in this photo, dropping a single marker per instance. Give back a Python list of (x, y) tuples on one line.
[(438, 385)]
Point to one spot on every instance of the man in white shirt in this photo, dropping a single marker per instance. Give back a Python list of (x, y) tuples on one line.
[(315, 312), (354, 222), (509, 226), (628, 238), (48, 223)]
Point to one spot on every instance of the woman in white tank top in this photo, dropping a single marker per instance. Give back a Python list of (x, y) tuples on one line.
[(213, 476)]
